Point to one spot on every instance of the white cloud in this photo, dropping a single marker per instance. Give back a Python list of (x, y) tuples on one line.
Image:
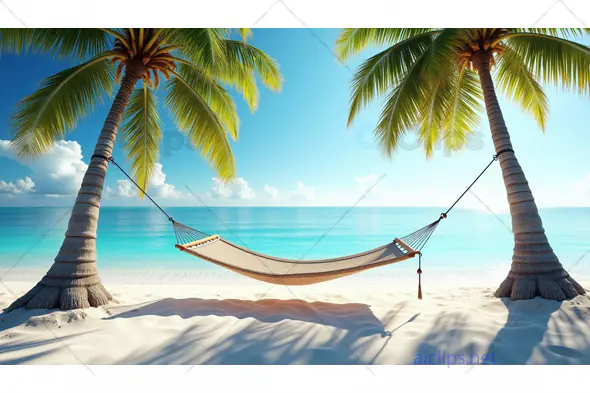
[(59, 171), (158, 183), (272, 192), (304, 193), (20, 187), (125, 189), (157, 187), (236, 189)]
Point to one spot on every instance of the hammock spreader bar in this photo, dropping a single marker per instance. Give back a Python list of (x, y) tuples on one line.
[(189, 239)]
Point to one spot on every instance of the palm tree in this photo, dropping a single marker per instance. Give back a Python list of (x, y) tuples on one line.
[(435, 80), (196, 64)]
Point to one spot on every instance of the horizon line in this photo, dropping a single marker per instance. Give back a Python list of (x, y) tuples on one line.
[(293, 206)]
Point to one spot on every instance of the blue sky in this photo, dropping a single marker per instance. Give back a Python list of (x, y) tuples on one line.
[(296, 149)]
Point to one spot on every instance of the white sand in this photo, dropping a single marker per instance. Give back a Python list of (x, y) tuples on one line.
[(367, 319)]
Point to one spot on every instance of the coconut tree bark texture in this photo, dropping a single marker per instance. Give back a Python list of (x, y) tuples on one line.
[(535, 270), (72, 281)]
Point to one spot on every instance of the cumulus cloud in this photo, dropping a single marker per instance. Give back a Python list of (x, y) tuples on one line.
[(272, 192), (304, 193), (59, 171), (157, 187), (158, 183), (125, 189), (20, 187), (235, 189)]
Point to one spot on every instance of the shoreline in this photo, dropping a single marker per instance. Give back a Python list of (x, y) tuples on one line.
[(402, 272)]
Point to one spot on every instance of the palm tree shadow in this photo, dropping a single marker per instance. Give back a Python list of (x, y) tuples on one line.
[(524, 334), (353, 317)]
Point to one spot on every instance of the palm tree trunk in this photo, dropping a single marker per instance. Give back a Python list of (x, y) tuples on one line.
[(72, 281), (535, 270)]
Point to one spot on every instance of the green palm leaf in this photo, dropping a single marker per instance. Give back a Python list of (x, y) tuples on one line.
[(193, 115), (16, 40), (464, 109), (142, 133), (245, 34), (241, 64), (50, 112), (352, 41), (556, 32), (218, 99), (203, 47), (80, 43), (387, 68), (519, 84), (412, 102), (433, 115), (433, 89), (239, 54), (554, 60)]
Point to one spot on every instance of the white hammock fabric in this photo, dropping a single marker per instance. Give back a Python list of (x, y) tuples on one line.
[(293, 272)]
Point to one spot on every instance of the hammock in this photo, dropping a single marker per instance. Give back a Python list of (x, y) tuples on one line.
[(274, 270)]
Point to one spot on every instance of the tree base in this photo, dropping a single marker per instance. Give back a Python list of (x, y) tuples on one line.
[(64, 297), (556, 285)]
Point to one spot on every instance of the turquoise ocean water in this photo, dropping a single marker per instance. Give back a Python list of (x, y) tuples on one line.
[(143, 239)]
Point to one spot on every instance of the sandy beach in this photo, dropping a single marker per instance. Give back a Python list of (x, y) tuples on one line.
[(370, 319)]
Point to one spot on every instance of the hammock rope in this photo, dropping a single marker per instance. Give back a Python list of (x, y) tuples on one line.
[(187, 236)]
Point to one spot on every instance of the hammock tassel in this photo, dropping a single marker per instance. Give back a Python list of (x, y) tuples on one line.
[(419, 271)]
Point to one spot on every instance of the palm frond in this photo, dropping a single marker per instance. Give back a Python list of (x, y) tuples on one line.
[(351, 41), (80, 43), (384, 70), (242, 80), (433, 114), (245, 34), (440, 76), (216, 97), (441, 57), (16, 40), (50, 112), (240, 54), (554, 60), (203, 47), (464, 109), (556, 32), (142, 134), (241, 64), (406, 105), (447, 108), (193, 116), (519, 84), (394, 124)]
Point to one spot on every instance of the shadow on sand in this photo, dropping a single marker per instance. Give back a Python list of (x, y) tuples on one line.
[(260, 334), (352, 316), (532, 332), (530, 335)]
